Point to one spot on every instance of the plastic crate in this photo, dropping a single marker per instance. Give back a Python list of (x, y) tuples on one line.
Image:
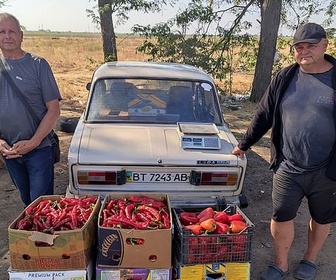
[(211, 248)]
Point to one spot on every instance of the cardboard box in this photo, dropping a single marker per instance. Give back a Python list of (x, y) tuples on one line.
[(80, 274), (223, 271), (69, 250), (108, 273), (115, 250)]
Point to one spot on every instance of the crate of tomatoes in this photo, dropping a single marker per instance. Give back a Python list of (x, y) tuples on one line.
[(135, 230), (54, 233), (210, 236)]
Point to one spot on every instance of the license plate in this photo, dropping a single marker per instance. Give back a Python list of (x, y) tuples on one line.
[(144, 177)]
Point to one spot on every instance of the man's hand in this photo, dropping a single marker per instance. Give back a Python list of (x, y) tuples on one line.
[(238, 152), (23, 147), (7, 151)]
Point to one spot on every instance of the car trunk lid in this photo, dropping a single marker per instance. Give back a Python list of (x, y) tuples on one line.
[(147, 145)]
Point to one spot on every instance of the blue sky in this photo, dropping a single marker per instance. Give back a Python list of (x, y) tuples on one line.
[(71, 15)]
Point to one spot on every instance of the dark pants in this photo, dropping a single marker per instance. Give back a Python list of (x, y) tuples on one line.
[(33, 174)]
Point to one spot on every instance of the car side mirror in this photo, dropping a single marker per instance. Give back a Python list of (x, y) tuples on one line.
[(88, 86)]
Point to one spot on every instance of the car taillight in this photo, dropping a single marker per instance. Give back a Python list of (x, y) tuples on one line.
[(199, 178), (101, 177)]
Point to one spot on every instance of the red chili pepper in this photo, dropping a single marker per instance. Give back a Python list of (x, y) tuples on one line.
[(111, 223), (128, 223), (90, 200), (111, 205), (86, 214), (122, 213), (144, 200), (166, 220), (106, 214), (60, 217), (29, 211), (24, 224), (38, 224), (121, 204), (151, 210), (69, 201), (62, 222), (47, 222), (74, 217), (142, 217), (40, 206), (128, 210)]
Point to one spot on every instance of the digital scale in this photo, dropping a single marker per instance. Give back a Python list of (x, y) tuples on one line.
[(198, 136)]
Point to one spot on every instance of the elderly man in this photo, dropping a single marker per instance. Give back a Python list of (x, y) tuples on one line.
[(299, 106), (24, 143)]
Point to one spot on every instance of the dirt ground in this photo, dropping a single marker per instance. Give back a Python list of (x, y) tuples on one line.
[(257, 190)]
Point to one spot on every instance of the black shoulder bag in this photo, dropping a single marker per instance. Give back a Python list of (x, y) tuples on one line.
[(52, 136)]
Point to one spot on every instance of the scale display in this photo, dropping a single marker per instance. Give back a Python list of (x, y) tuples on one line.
[(199, 136)]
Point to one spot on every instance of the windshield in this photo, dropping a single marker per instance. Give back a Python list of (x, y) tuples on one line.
[(153, 101)]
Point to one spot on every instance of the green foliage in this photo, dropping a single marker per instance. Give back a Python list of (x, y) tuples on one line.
[(121, 8), (214, 51), (110, 58), (221, 50), (296, 12)]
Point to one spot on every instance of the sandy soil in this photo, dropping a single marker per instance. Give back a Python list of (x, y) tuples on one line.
[(257, 190)]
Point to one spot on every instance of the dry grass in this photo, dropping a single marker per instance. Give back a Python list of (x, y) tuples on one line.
[(73, 59)]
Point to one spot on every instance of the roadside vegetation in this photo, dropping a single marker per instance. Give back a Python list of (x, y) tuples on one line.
[(73, 57)]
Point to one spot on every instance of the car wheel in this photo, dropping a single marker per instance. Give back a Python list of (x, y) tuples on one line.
[(68, 125)]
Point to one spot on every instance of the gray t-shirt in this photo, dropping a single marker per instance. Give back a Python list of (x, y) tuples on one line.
[(34, 78), (308, 132)]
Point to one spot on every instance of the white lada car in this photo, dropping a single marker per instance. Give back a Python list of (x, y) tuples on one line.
[(155, 127)]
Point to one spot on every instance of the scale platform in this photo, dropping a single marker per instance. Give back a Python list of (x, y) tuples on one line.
[(199, 136)]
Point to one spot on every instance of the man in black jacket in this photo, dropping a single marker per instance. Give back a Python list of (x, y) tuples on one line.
[(299, 107)]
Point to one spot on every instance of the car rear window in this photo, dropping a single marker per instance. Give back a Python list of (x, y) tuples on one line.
[(153, 101)]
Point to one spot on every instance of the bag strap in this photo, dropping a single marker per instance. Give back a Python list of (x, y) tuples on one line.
[(20, 95)]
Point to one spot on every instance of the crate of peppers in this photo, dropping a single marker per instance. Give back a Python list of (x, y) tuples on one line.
[(210, 236), (134, 230), (54, 233)]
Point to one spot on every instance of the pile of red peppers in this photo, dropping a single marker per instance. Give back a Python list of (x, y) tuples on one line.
[(136, 212), (210, 221), (214, 237), (49, 215)]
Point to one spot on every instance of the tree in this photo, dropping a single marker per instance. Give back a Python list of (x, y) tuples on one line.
[(107, 30), (293, 14), (214, 50), (211, 46), (269, 26), (109, 10)]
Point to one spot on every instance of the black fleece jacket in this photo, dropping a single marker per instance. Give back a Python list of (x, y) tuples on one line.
[(268, 116)]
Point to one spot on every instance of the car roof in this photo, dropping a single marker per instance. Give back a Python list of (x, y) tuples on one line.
[(154, 70)]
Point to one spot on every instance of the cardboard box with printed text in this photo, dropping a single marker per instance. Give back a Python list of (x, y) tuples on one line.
[(66, 249), (115, 250)]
